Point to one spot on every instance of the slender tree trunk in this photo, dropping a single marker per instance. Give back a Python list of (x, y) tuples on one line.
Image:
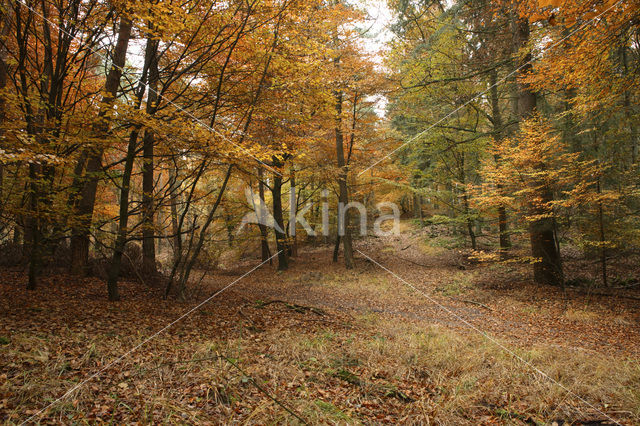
[(173, 199), (4, 53), (336, 246), (197, 248), (603, 248), (183, 264), (264, 241), (35, 261), (228, 222), (281, 237), (17, 235), (498, 130), (472, 235), (148, 234), (629, 111), (548, 270), (417, 207), (465, 201), (121, 238), (344, 227), (84, 216), (85, 204), (293, 205)]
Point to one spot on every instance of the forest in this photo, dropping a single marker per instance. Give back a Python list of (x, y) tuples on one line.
[(320, 212)]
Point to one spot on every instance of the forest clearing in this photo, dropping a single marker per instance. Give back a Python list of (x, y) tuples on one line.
[(333, 346), (320, 212)]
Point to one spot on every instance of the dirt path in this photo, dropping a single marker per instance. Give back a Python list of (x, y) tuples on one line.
[(499, 302)]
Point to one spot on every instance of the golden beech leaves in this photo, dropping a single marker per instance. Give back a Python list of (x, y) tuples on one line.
[(535, 160)]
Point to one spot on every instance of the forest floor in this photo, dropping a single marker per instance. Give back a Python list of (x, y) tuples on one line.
[(446, 341)]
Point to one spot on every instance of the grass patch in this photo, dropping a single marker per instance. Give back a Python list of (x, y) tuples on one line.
[(580, 315), (330, 411), (460, 283)]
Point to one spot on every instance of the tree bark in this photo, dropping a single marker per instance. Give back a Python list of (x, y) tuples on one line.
[(603, 247), (629, 111), (173, 199), (281, 237), (121, 238), (35, 175), (343, 197), (148, 234), (548, 268), (498, 131), (336, 247), (293, 205), (4, 53), (472, 234), (264, 242), (85, 204)]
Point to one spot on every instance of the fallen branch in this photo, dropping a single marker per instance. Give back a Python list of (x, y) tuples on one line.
[(413, 261), (294, 307)]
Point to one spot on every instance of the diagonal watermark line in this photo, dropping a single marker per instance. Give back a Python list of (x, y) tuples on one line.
[(416, 137), (147, 340), (488, 337), (173, 104)]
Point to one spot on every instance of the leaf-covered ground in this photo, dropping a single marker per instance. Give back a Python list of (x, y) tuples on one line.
[(320, 344)]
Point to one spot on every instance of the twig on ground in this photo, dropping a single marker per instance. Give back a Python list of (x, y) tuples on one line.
[(261, 389), (600, 293), (245, 316), (473, 302), (249, 378)]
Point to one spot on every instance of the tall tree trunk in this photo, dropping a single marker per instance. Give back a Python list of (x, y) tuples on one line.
[(87, 196), (293, 206), (465, 202), (498, 131), (472, 234), (121, 237), (228, 222), (603, 247), (548, 268), (35, 261), (344, 227), (629, 110), (264, 241), (417, 207), (281, 237), (148, 234), (4, 53), (173, 199)]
